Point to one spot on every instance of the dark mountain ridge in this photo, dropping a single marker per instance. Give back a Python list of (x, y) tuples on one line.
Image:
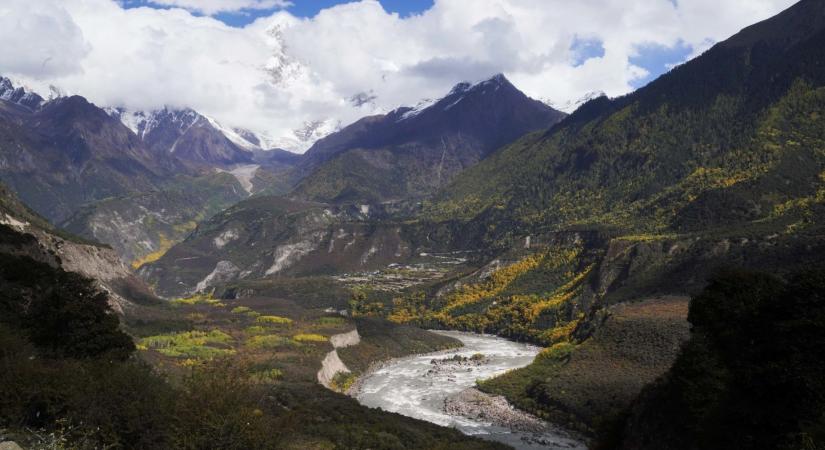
[(410, 152), (467, 107), (67, 152)]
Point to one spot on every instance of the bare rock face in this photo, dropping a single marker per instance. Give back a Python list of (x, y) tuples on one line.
[(101, 264), (38, 240), (345, 339), (332, 364)]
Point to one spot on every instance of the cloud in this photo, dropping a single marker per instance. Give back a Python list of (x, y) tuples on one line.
[(212, 7), (281, 71), (39, 39)]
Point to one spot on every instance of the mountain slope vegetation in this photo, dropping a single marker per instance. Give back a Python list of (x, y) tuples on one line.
[(727, 139), (750, 375)]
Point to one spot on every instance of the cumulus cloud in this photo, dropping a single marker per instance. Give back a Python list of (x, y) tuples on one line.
[(40, 39), (281, 71)]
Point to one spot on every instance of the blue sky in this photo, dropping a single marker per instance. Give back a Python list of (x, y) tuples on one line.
[(658, 59), (301, 8), (655, 59), (309, 8)]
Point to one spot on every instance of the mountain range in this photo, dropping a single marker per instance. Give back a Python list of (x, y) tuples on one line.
[(178, 156), (727, 142), (483, 211)]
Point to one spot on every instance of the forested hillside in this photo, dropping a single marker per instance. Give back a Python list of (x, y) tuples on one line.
[(728, 139)]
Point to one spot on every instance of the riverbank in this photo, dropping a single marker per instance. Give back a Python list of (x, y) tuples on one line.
[(495, 409), (439, 388), (382, 341), (585, 387), (479, 406)]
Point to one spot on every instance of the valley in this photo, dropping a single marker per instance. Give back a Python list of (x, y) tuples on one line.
[(480, 271)]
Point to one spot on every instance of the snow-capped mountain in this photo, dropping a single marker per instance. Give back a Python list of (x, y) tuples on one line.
[(143, 123), (297, 141), (19, 95), (179, 121), (572, 105), (302, 139), (188, 135)]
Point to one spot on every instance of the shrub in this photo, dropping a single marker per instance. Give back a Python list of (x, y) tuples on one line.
[(274, 320), (217, 408), (87, 403), (331, 321), (557, 352), (310, 338), (199, 299), (269, 376), (256, 329), (268, 342), (750, 376), (198, 345), (343, 381)]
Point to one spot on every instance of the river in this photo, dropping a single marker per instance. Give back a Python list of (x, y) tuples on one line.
[(416, 387)]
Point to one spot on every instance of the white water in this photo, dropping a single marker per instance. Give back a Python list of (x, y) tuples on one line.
[(406, 386)]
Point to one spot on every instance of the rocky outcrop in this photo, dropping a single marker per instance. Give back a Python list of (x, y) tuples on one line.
[(495, 409), (332, 364), (99, 263), (26, 234), (345, 339)]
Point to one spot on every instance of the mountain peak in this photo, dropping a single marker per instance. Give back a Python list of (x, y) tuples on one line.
[(19, 95), (462, 87), (496, 84), (497, 81)]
